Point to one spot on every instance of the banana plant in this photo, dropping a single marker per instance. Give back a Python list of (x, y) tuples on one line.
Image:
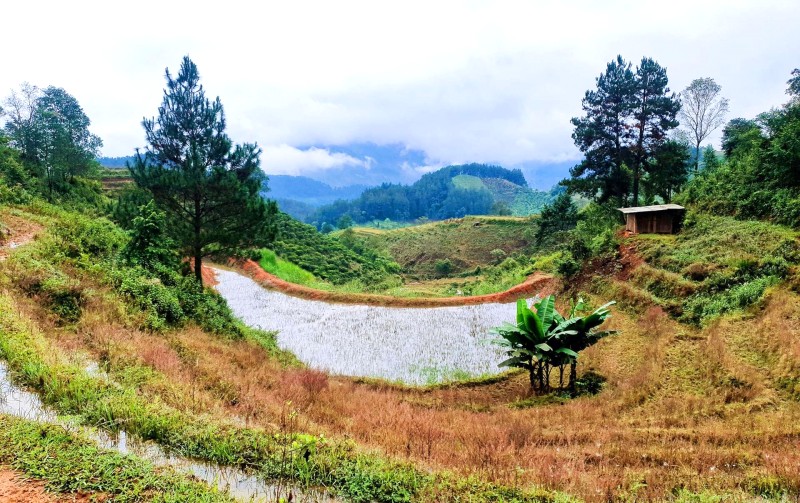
[(543, 339)]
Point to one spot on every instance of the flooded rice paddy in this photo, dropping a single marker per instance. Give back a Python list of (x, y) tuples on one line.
[(409, 345)]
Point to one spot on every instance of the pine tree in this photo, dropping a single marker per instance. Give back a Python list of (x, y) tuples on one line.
[(626, 121), (208, 187), (653, 115), (603, 134)]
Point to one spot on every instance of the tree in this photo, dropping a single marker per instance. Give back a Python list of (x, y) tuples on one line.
[(344, 222), (602, 135), (740, 133), (208, 188), (667, 172), (702, 111), (544, 339), (52, 132), (559, 216), (794, 84), (654, 115), (626, 120)]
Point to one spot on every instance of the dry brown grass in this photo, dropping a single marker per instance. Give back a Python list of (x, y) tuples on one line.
[(683, 408)]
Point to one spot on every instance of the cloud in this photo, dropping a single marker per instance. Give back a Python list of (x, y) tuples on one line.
[(476, 81), (287, 160)]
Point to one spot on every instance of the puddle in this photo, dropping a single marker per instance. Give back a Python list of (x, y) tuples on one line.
[(240, 484), (20, 403)]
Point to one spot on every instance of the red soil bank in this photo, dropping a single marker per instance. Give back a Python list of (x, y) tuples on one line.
[(541, 284)]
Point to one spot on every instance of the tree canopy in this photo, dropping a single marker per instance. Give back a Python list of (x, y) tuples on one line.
[(703, 110), (51, 131), (208, 187), (626, 121), (760, 176)]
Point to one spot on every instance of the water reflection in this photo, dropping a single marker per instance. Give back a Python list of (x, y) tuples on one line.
[(240, 484)]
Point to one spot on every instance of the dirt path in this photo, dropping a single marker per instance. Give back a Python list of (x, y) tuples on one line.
[(15, 232), (536, 284), (14, 488)]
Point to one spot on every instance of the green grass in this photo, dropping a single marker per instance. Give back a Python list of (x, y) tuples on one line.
[(467, 242), (468, 182), (286, 270), (716, 265), (69, 464)]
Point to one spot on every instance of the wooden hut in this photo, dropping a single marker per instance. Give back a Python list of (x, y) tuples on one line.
[(658, 219)]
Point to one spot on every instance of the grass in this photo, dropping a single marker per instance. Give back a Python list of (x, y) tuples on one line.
[(176, 388), (467, 242), (688, 413), (68, 464), (716, 265), (286, 270)]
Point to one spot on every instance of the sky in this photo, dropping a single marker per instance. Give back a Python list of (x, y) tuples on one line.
[(459, 81)]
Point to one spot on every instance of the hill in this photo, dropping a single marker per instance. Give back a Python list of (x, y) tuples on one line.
[(309, 191), (114, 162), (466, 244), (451, 192)]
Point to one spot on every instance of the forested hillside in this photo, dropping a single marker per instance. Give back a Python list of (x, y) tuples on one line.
[(451, 192)]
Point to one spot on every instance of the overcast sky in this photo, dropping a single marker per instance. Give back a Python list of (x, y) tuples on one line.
[(462, 81)]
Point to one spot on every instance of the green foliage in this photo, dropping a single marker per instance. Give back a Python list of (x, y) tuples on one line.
[(760, 177), (284, 269), (543, 339), (667, 172), (559, 216), (329, 258), (51, 132), (209, 189), (443, 267), (451, 192), (716, 265), (68, 464), (149, 246), (625, 123), (467, 243), (53, 270), (16, 182)]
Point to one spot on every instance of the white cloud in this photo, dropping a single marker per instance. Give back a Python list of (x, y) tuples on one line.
[(287, 160), (476, 81)]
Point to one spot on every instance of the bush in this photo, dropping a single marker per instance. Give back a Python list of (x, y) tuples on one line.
[(443, 267)]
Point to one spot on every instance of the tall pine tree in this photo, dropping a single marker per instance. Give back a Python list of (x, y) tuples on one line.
[(625, 122), (208, 187), (602, 134), (653, 116)]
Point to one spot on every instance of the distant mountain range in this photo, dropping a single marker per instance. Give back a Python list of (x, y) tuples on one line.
[(375, 164), (303, 196), (300, 196), (450, 192)]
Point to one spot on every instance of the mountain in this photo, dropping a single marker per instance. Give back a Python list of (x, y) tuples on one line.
[(309, 191), (114, 162), (373, 164), (451, 192), (300, 196)]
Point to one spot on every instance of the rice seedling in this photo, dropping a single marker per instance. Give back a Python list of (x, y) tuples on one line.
[(409, 345)]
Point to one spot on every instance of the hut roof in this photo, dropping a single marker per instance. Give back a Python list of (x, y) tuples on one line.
[(657, 207)]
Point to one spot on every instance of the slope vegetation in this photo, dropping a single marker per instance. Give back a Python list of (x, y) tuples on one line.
[(465, 243)]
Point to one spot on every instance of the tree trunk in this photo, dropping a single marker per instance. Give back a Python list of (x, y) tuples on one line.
[(541, 377), (198, 266), (697, 158), (573, 375), (532, 375), (198, 248)]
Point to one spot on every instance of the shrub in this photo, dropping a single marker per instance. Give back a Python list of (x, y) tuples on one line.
[(443, 267)]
